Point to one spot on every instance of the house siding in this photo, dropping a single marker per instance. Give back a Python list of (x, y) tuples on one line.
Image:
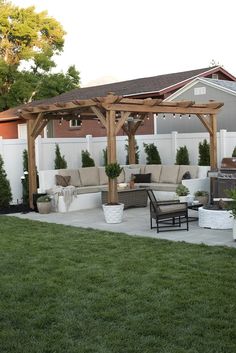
[(226, 119)]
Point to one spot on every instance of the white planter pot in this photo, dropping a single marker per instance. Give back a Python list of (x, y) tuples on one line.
[(234, 229), (183, 199), (113, 213)]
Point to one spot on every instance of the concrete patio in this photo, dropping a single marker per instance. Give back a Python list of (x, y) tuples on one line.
[(136, 223)]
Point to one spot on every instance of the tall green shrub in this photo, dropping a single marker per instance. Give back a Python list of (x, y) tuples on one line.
[(87, 161), (104, 153), (182, 156), (234, 152), (153, 156), (59, 162), (25, 179), (136, 153), (204, 153), (5, 188)]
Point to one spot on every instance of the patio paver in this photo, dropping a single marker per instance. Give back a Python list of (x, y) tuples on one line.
[(135, 222)]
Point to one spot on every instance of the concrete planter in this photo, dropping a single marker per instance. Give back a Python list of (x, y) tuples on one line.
[(113, 213), (44, 207)]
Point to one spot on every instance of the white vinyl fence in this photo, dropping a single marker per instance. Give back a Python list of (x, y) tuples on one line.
[(12, 151)]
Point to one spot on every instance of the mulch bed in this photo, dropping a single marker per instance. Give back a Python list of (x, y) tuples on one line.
[(20, 208)]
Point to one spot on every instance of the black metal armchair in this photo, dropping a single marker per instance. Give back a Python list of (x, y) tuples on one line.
[(169, 215)]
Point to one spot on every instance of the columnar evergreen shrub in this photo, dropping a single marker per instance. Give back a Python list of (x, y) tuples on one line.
[(182, 156), (204, 153), (25, 179), (136, 153), (59, 162), (104, 152), (234, 152), (5, 188), (87, 161), (153, 156)]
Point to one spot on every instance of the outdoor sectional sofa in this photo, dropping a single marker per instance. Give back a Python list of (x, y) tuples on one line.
[(85, 184)]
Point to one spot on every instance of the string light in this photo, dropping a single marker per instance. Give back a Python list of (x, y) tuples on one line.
[(180, 116), (164, 117), (174, 116), (189, 116)]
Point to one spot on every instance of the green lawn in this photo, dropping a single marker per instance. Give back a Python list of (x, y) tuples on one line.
[(66, 289)]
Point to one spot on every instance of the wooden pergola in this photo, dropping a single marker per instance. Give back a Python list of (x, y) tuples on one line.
[(115, 113)]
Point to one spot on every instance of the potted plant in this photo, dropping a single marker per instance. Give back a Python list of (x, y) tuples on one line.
[(182, 191), (232, 208), (44, 204), (202, 196), (113, 210)]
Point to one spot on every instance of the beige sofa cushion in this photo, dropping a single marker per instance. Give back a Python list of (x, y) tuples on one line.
[(155, 170), (141, 166), (192, 169), (89, 176), (169, 174), (103, 179), (74, 176), (128, 173)]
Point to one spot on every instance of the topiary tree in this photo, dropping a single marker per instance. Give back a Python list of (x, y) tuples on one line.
[(152, 153), (204, 153), (5, 189), (59, 162), (87, 161), (182, 157), (136, 153), (234, 152)]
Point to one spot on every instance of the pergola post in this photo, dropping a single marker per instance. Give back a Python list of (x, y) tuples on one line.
[(31, 162), (213, 142), (111, 153), (131, 143)]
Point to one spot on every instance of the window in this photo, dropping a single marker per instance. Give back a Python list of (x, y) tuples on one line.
[(215, 76), (199, 90), (76, 123)]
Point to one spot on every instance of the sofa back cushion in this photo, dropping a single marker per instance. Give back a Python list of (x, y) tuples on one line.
[(128, 173), (192, 169), (103, 179), (89, 176), (169, 174), (155, 170), (74, 176)]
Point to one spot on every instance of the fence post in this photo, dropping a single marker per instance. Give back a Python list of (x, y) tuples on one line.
[(89, 141), (222, 144), (174, 145)]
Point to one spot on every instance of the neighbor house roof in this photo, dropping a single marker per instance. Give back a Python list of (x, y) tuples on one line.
[(139, 88), (223, 85)]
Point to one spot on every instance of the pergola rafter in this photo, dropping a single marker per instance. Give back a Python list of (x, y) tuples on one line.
[(115, 112)]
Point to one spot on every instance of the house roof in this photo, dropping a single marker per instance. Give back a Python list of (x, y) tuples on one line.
[(224, 85), (141, 87), (138, 88)]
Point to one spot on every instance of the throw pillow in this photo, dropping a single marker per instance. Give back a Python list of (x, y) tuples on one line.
[(62, 180), (186, 175), (142, 178), (129, 172)]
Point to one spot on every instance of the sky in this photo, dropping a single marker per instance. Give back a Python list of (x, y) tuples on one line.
[(121, 40)]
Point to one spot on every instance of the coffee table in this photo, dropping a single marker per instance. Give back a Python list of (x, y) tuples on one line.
[(136, 197)]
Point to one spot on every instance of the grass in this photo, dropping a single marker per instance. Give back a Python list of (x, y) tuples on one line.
[(72, 290)]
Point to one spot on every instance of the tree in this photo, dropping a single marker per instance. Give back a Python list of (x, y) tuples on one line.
[(32, 38), (153, 156), (5, 189), (204, 153), (59, 162), (182, 157), (87, 161)]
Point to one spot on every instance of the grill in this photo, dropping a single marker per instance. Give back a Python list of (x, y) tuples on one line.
[(225, 178)]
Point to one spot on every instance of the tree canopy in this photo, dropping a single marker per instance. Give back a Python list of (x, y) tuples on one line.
[(33, 38)]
